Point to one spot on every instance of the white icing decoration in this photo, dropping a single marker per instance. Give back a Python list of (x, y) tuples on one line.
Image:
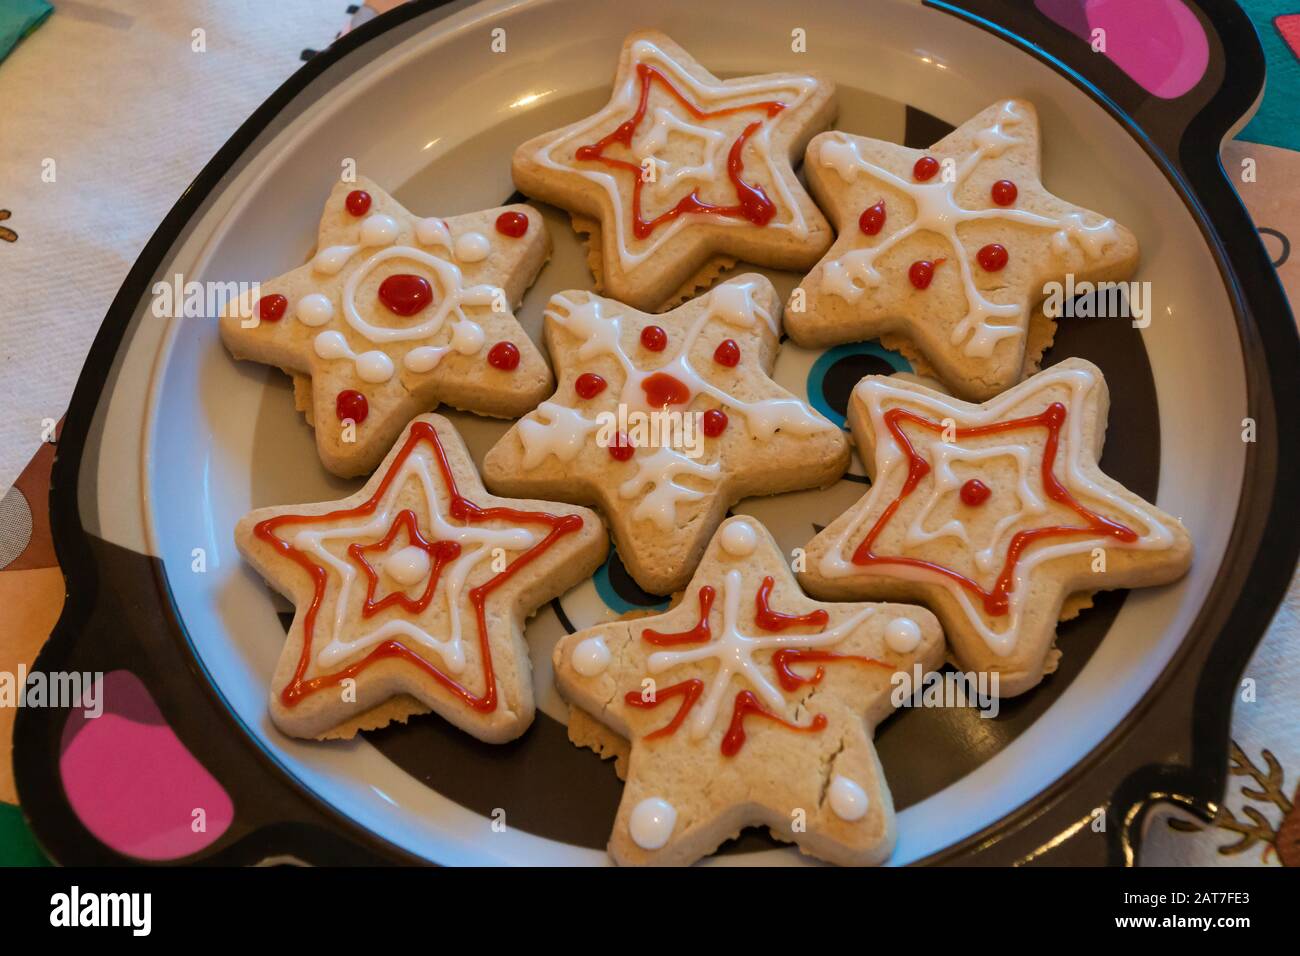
[(739, 539), (424, 358), (734, 653), (902, 634), (466, 337), (651, 823), (432, 232), (314, 309), (379, 230), (847, 799), (590, 657), (877, 393), (472, 247), (792, 91), (408, 566), (937, 211), (374, 367), (557, 430), (477, 544)]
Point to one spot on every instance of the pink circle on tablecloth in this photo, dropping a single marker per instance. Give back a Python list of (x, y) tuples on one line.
[(132, 782)]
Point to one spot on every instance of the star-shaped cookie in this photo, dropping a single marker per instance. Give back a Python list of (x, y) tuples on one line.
[(992, 515), (665, 421), (397, 313), (949, 248), (749, 704), (681, 167), (412, 593)]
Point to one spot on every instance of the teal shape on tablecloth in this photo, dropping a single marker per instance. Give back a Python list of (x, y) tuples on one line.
[(19, 18), (17, 845), (1278, 23)]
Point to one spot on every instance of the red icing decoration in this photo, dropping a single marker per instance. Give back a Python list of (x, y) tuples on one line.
[(662, 390), (1004, 192), (925, 168), (921, 272), (440, 552), (727, 353), (512, 224), (589, 385), (872, 219), (270, 308), (462, 509), (993, 257), (975, 493), (405, 294), (688, 690), (358, 202), (505, 356), (715, 422), (995, 601), (350, 403), (786, 656), (621, 450), (747, 705), (770, 620), (654, 338), (752, 203), (696, 635)]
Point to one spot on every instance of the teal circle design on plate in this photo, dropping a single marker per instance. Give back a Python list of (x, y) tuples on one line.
[(617, 602), (825, 386)]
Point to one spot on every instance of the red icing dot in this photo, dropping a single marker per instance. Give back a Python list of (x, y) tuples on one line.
[(993, 257), (405, 294), (975, 492), (351, 404), (715, 422), (662, 390), (872, 219), (654, 338), (358, 202), (270, 308), (512, 224), (621, 450), (727, 353), (589, 385), (505, 356), (921, 273), (1004, 192), (925, 168)]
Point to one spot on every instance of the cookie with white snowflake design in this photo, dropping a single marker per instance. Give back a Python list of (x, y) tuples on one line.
[(397, 313), (948, 248), (665, 421), (748, 704), (992, 515), (412, 593), (681, 168)]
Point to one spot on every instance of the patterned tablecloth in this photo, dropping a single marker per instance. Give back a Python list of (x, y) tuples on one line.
[(81, 198)]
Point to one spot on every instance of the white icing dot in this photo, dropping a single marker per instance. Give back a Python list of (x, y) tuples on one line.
[(848, 800), (330, 260), (432, 232), (374, 367), (408, 566), (331, 345), (467, 337), (651, 823), (472, 247), (739, 539), (378, 230), (424, 358), (314, 309), (590, 657), (902, 634)]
